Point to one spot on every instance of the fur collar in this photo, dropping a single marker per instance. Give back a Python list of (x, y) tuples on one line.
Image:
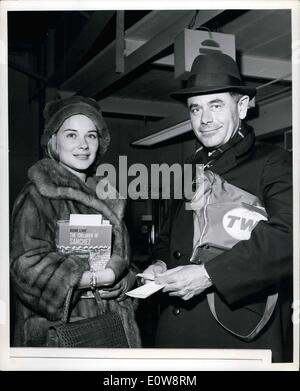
[(55, 182)]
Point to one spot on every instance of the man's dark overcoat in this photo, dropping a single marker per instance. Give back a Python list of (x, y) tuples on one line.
[(245, 275)]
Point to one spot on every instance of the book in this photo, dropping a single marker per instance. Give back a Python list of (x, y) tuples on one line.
[(87, 236)]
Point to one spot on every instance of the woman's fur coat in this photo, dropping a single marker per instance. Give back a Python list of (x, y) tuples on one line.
[(41, 276)]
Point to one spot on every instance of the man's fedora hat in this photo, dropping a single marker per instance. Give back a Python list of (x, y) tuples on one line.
[(212, 73)]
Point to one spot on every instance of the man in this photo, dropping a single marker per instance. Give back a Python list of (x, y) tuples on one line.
[(244, 276)]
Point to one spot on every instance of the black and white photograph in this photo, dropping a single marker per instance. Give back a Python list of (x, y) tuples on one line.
[(150, 185)]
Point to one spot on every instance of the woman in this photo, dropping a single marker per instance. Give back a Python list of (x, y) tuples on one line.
[(74, 139)]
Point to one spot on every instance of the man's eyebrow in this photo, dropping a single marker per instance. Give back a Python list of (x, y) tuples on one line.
[(193, 106), (216, 101), (75, 130)]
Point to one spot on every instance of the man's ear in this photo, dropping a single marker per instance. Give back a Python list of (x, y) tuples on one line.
[(243, 106)]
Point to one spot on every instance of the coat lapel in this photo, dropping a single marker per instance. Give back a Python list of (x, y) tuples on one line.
[(229, 155)]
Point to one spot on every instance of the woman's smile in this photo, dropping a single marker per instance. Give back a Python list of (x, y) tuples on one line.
[(82, 156)]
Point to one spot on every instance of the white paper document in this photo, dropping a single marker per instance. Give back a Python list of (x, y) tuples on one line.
[(83, 219), (145, 291)]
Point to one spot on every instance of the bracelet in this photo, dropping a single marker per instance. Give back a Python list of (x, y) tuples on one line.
[(93, 281)]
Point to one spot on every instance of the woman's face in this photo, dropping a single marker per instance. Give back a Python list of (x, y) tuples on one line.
[(77, 143)]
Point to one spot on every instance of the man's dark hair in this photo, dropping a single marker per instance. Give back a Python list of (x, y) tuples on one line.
[(236, 95)]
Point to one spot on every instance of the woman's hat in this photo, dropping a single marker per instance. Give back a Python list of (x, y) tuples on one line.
[(212, 73), (57, 111)]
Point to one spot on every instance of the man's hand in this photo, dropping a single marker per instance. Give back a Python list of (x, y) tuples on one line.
[(118, 290), (153, 271), (185, 281)]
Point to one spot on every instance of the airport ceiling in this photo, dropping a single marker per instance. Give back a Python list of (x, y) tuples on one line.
[(125, 59)]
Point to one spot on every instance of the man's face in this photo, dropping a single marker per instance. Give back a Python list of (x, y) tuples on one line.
[(215, 117)]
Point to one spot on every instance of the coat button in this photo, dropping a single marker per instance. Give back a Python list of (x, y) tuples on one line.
[(176, 311), (177, 254)]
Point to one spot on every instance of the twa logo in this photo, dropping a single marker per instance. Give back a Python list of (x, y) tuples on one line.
[(239, 222)]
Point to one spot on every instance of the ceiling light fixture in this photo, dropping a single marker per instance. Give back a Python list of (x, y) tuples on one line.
[(165, 134)]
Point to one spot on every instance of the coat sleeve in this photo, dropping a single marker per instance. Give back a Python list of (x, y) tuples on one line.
[(258, 265), (41, 276)]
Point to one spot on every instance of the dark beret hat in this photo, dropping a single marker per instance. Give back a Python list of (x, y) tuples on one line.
[(57, 111)]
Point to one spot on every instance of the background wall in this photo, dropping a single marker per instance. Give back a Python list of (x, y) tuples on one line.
[(24, 125)]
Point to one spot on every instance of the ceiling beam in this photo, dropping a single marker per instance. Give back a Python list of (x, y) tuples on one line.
[(27, 71), (154, 23), (166, 134), (166, 129), (145, 29), (120, 41), (266, 68), (91, 84), (92, 29), (276, 115), (91, 70), (251, 66), (145, 108)]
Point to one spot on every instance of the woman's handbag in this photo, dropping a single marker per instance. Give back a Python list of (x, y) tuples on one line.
[(103, 331)]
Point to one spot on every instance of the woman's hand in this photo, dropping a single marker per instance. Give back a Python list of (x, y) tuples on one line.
[(105, 277), (119, 290), (153, 271)]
